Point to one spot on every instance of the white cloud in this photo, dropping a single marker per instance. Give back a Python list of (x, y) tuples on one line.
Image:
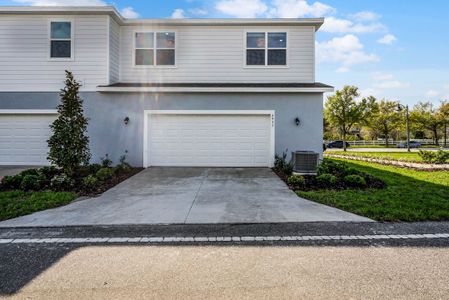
[(366, 16), (432, 93), (62, 2), (379, 76), (242, 8), (370, 92), (387, 39), (391, 84), (336, 25), (129, 13), (199, 11), (299, 8), (178, 14), (446, 86), (346, 50)]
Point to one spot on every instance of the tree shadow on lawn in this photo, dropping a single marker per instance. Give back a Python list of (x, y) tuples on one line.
[(410, 195)]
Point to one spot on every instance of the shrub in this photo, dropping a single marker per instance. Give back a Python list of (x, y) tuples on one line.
[(49, 172), (104, 174), (29, 172), (326, 179), (93, 168), (11, 182), (90, 181), (281, 164), (355, 181), (32, 182), (296, 181), (62, 183), (105, 161), (427, 156), (441, 157), (69, 144)]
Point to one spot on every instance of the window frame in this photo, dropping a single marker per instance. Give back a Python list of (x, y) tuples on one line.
[(155, 48), (72, 40), (266, 32)]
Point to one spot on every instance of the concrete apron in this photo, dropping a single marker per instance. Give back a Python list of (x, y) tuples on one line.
[(191, 196)]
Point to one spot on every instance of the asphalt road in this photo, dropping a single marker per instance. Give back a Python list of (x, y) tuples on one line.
[(396, 268)]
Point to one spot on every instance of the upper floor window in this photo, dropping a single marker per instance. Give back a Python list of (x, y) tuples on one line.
[(266, 48), (61, 44), (154, 49)]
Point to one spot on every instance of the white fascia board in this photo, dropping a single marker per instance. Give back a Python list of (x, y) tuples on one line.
[(210, 90), (28, 111)]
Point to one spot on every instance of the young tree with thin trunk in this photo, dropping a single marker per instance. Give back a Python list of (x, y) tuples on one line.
[(343, 111), (443, 113), (69, 144)]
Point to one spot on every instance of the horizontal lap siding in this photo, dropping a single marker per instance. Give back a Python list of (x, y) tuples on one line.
[(24, 52), (114, 52), (216, 54)]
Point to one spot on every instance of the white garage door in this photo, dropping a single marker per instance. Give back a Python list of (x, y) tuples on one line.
[(23, 138), (220, 140)]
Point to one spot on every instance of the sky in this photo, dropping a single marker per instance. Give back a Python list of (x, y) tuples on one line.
[(397, 50)]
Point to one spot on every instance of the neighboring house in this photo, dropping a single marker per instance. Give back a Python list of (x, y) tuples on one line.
[(170, 92)]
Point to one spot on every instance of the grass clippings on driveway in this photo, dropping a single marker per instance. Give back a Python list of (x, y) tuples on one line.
[(18, 203), (410, 195)]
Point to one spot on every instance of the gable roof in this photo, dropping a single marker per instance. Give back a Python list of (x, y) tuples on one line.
[(112, 11)]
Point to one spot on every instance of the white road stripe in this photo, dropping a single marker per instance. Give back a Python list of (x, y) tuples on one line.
[(219, 239)]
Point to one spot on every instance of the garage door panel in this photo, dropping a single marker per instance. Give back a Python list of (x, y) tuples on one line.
[(23, 139), (209, 140)]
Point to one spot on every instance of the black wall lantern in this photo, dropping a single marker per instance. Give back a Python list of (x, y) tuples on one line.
[(297, 121), (126, 120)]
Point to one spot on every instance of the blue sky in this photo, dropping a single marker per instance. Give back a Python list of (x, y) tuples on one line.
[(392, 49)]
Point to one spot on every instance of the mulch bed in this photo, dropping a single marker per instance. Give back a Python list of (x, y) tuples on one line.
[(106, 185)]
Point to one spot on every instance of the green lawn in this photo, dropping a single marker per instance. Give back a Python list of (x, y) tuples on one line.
[(410, 195), (403, 156), (17, 203)]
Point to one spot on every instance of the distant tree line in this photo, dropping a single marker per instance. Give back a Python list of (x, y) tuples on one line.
[(347, 116)]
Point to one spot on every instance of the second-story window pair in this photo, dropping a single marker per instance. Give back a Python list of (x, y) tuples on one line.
[(266, 48), (154, 49)]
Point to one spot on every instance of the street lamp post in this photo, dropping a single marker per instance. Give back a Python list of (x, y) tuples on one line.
[(407, 120)]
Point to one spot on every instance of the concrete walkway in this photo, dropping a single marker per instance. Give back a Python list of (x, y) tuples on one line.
[(191, 196)]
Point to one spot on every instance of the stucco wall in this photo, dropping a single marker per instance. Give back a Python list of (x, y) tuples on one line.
[(109, 134)]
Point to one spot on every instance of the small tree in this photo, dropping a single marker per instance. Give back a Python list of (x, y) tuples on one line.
[(443, 113), (426, 118), (343, 111), (384, 119), (69, 144)]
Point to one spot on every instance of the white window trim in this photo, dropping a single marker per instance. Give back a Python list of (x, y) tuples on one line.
[(72, 40), (154, 66), (266, 66), (148, 113)]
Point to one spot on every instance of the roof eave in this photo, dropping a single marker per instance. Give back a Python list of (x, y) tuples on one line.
[(112, 89)]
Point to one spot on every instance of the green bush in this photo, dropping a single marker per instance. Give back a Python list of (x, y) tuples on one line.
[(104, 174), (441, 157), (90, 181), (11, 182), (355, 180), (62, 183), (326, 179), (427, 156), (49, 172), (296, 181), (434, 157), (32, 182), (281, 164), (30, 172), (336, 168), (93, 168), (105, 161)]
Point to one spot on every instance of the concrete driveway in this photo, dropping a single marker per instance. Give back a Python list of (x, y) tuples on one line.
[(193, 196)]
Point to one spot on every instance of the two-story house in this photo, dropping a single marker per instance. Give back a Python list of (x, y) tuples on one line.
[(170, 92)]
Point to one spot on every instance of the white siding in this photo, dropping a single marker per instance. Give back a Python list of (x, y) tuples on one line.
[(114, 51), (216, 54), (24, 53)]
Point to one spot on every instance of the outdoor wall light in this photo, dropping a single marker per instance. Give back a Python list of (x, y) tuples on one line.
[(126, 120), (297, 121)]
